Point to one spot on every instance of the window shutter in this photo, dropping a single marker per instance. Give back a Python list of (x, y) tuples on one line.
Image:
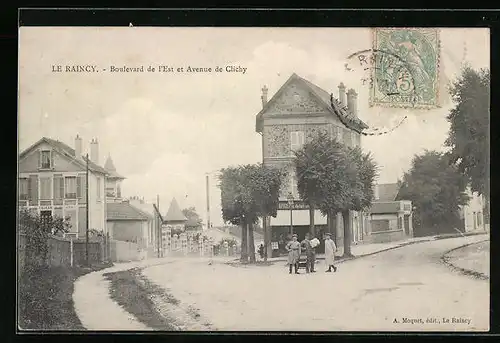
[(51, 161), (79, 187), (83, 188), (34, 188), (39, 158), (61, 185), (301, 140), (58, 187), (29, 188)]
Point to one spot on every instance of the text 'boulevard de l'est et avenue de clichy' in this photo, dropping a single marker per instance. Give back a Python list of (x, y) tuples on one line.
[(146, 69)]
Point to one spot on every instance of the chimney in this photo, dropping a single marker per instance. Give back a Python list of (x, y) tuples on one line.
[(264, 96), (352, 102), (342, 95), (78, 147), (94, 151)]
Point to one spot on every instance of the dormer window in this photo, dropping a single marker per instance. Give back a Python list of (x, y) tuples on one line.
[(45, 159)]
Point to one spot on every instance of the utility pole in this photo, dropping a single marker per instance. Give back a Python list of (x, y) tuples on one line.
[(158, 225), (208, 203), (87, 208)]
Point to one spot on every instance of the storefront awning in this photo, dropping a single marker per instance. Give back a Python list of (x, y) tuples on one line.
[(300, 217)]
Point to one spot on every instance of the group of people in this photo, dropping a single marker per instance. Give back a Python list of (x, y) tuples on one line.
[(309, 244)]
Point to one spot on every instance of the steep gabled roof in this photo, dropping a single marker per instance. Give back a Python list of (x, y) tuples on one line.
[(125, 211), (322, 95), (174, 213), (111, 169), (387, 191), (65, 150), (384, 207)]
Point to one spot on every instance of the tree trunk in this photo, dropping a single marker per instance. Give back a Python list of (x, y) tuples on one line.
[(347, 234), (244, 242), (251, 243), (331, 219), (266, 238), (312, 229)]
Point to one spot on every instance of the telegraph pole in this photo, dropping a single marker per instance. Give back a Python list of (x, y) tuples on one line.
[(158, 225), (208, 203), (87, 208)]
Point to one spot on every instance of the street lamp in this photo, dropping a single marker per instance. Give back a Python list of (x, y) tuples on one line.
[(290, 203)]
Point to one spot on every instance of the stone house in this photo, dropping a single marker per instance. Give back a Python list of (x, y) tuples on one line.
[(293, 116)]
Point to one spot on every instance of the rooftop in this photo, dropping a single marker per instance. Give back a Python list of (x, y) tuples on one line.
[(125, 211), (174, 213), (66, 150), (387, 191)]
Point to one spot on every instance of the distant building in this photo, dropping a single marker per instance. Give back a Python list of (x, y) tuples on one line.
[(52, 181), (293, 116), (388, 219), (472, 214), (113, 182), (128, 223)]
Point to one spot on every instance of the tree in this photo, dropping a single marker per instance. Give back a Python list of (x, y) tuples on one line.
[(437, 190), (194, 222), (469, 136), (247, 192), (334, 178), (361, 175), (265, 183), (322, 176), (37, 231)]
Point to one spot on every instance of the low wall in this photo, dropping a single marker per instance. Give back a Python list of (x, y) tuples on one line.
[(124, 251), (384, 236), (79, 252)]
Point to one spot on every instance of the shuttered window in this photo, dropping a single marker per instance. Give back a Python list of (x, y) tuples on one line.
[(58, 189), (23, 189), (81, 188), (45, 188), (296, 140), (70, 187), (45, 159), (33, 187)]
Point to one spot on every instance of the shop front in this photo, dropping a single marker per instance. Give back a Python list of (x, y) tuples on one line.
[(295, 220)]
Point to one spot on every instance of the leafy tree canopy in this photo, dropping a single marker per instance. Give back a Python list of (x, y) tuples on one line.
[(469, 120), (436, 188), (322, 171), (333, 176), (194, 221), (249, 191)]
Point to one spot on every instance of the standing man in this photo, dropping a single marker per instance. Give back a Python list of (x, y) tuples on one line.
[(293, 248), (310, 253), (330, 249)]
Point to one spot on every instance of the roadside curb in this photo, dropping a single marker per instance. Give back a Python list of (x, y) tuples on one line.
[(340, 259), (468, 272), (236, 262)]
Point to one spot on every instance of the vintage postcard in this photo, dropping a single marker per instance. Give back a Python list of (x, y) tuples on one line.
[(253, 179)]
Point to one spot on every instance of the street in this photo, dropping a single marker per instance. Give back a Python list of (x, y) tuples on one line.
[(405, 289)]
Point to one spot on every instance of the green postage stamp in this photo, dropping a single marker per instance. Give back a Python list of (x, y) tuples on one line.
[(406, 67)]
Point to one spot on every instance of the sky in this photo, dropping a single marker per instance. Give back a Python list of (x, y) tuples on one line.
[(165, 131)]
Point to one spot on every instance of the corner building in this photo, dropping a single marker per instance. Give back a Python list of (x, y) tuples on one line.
[(296, 113)]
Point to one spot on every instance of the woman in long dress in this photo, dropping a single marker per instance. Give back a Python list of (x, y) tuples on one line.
[(330, 249), (293, 248)]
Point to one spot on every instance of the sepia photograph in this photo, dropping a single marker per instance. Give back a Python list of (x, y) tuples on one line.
[(272, 179)]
